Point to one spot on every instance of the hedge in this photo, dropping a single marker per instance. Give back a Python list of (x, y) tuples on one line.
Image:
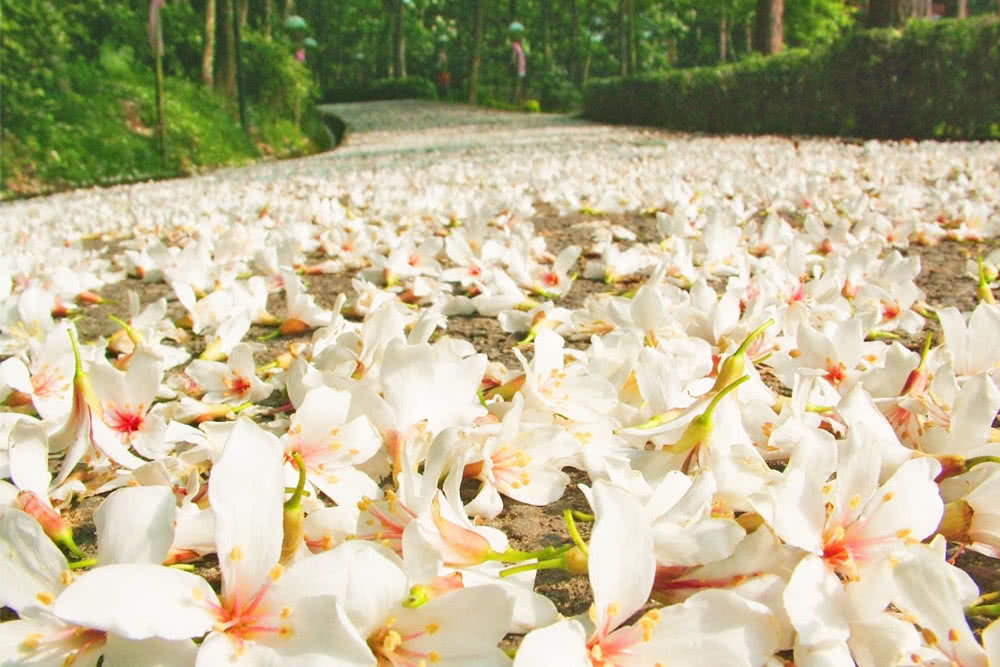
[(936, 78), (413, 87)]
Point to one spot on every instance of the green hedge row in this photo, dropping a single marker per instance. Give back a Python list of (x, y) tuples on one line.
[(933, 79), (412, 87)]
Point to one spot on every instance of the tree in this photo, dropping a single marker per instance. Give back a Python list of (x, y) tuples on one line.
[(768, 30), (225, 61), (885, 13), (208, 50), (479, 11)]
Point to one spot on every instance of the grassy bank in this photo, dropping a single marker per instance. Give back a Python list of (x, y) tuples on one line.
[(100, 130)]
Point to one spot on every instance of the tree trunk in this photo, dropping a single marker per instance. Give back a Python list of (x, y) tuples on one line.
[(399, 41), (479, 10), (289, 9), (723, 35), (632, 59), (208, 52), (879, 14), (244, 12), (956, 9), (546, 41), (748, 34), (268, 11), (885, 13), (769, 34), (574, 43), (225, 61), (623, 35)]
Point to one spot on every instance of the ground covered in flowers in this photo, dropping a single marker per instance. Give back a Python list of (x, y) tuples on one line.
[(714, 347)]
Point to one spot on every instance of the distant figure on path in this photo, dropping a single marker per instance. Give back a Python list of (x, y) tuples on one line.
[(443, 75), (519, 65)]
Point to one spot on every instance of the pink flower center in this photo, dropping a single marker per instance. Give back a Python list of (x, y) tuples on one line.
[(387, 525), (47, 381), (835, 372), (125, 420), (71, 643), (389, 646), (236, 386)]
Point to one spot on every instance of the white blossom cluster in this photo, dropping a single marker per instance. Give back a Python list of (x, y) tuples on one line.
[(773, 475)]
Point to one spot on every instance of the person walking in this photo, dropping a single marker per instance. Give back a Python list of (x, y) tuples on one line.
[(519, 62), (443, 75)]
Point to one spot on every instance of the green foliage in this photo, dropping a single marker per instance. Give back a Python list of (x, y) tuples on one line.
[(274, 79), (36, 44), (556, 92), (102, 131), (413, 87), (935, 79)]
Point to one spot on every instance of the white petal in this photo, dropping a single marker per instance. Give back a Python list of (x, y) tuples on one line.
[(815, 601), (53, 653), (135, 525), (621, 560), (155, 652), (247, 491), (29, 457), (561, 644), (14, 374), (139, 602), (972, 414), (991, 642), (458, 632), (367, 579), (32, 565)]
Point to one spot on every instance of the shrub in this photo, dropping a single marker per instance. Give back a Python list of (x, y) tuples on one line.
[(275, 81), (933, 79), (412, 87), (556, 92)]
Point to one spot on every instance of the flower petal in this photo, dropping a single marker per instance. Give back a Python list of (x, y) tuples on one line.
[(135, 525), (622, 564), (139, 601), (246, 491)]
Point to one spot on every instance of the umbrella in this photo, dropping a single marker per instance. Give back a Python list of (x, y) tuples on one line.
[(294, 22), (310, 42), (516, 27)]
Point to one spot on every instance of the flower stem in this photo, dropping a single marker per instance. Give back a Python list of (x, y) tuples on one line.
[(573, 532)]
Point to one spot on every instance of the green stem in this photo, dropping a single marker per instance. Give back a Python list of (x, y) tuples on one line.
[(76, 354), (269, 336), (129, 330), (722, 394), (553, 564), (926, 350), (296, 499), (573, 532), (583, 516), (752, 335), (990, 610), (185, 567), (80, 564), (241, 407), (976, 460), (517, 556)]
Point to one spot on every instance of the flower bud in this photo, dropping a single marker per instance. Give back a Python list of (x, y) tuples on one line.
[(957, 521), (52, 524)]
